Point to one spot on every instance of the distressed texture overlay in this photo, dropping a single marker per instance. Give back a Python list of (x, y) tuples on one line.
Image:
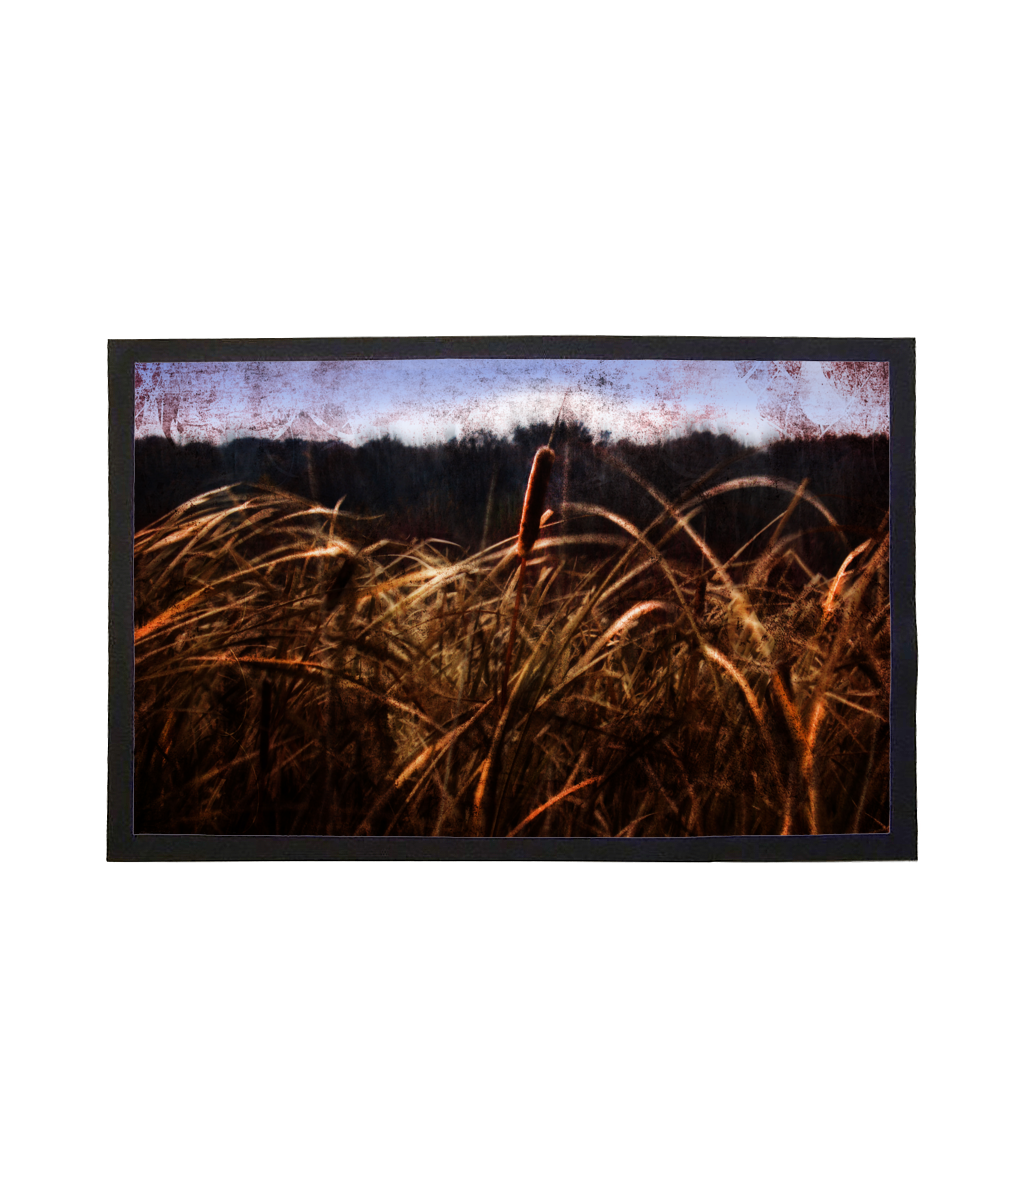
[(512, 598), (433, 400)]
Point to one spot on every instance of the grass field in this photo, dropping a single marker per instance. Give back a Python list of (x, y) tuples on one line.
[(297, 673)]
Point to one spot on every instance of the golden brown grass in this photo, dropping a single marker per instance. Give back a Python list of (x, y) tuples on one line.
[(295, 675)]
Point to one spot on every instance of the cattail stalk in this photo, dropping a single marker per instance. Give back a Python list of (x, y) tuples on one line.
[(529, 529)]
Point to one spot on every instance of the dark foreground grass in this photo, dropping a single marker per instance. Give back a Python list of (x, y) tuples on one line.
[(296, 676)]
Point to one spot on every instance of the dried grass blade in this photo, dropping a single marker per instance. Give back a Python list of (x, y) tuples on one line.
[(541, 808)]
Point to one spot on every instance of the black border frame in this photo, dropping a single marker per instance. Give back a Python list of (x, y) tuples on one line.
[(899, 843)]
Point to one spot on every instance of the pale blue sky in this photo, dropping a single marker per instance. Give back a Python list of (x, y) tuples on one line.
[(434, 399)]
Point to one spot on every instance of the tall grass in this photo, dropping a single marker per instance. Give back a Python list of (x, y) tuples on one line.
[(295, 674)]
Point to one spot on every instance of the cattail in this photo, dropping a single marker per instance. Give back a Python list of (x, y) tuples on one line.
[(533, 505), (529, 528)]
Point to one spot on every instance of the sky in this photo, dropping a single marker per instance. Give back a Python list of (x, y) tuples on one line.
[(429, 400)]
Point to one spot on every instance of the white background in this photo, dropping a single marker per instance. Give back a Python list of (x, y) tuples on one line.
[(457, 1030)]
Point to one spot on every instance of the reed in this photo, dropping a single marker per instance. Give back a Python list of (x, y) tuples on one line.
[(529, 530), (533, 502), (296, 674)]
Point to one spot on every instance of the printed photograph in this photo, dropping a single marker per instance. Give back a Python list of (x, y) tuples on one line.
[(526, 598)]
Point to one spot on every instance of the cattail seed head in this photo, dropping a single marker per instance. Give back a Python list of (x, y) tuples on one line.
[(533, 505)]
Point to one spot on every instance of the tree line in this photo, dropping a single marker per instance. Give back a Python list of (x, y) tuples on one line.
[(469, 490)]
